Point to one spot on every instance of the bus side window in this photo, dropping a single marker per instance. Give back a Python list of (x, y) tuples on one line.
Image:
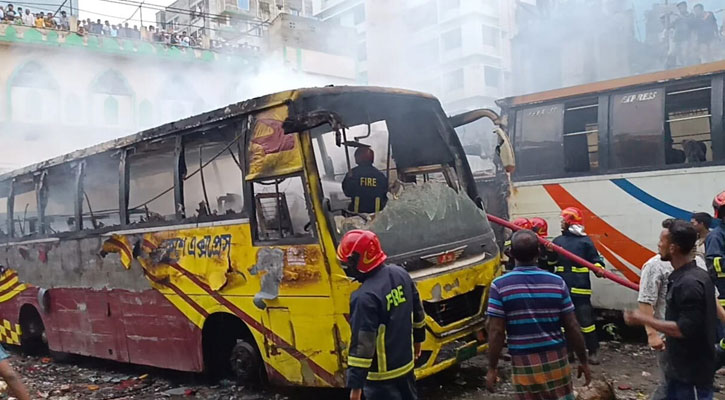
[(539, 141), (637, 127), (581, 136), (60, 187), (25, 211), (151, 183), (100, 191), (687, 131), (222, 179), (281, 209)]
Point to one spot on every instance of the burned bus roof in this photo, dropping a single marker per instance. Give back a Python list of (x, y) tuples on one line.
[(215, 117), (613, 84)]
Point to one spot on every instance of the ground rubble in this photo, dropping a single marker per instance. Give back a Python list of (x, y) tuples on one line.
[(630, 368)]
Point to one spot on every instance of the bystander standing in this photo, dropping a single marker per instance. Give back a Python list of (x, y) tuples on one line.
[(533, 308), (40, 20), (10, 13), (64, 22), (106, 29), (702, 222), (50, 21), (28, 18), (681, 28), (706, 31), (690, 317)]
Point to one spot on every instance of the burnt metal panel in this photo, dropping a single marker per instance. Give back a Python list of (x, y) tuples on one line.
[(123, 186), (603, 122), (179, 175), (718, 117)]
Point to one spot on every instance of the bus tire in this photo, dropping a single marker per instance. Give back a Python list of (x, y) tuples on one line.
[(246, 363), (32, 340), (230, 351)]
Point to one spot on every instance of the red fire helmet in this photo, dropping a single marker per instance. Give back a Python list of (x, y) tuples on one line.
[(572, 216), (717, 203), (522, 223), (362, 250), (540, 226)]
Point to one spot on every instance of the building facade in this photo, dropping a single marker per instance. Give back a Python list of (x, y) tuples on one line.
[(60, 91), (457, 50)]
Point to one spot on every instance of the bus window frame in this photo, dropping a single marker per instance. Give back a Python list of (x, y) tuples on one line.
[(311, 239), (717, 131)]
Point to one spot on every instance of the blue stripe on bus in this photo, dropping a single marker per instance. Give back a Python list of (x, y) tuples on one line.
[(652, 201)]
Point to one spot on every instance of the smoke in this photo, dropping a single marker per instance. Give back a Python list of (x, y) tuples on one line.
[(61, 99)]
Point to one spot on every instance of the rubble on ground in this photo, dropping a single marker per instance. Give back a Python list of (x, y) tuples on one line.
[(629, 369)]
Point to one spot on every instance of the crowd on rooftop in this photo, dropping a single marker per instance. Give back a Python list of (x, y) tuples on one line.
[(61, 21)]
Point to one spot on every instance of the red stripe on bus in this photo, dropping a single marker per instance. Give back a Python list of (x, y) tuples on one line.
[(121, 246), (180, 293), (284, 345), (633, 252), (278, 340)]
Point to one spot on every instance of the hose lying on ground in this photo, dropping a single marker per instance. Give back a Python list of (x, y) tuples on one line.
[(613, 277)]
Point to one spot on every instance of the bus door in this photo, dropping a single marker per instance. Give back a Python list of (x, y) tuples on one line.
[(294, 279), (490, 155)]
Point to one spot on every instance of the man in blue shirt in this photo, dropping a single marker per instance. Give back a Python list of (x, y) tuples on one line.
[(532, 306)]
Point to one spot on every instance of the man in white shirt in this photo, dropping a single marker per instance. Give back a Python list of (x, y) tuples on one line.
[(28, 18)]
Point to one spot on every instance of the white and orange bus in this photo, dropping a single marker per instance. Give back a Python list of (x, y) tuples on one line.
[(629, 152)]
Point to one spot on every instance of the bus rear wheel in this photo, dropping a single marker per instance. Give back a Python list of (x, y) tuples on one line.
[(245, 361)]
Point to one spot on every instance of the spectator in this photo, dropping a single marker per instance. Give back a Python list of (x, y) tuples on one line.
[(153, 37), (185, 39), (535, 310), (702, 222), (136, 34), (28, 18), (64, 22), (174, 39), (87, 25), (690, 314), (10, 13), (681, 26), (114, 31), (40, 20), (50, 21), (106, 29), (2, 13), (705, 28), (97, 27)]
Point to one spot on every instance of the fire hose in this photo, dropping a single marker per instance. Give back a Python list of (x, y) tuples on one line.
[(573, 257)]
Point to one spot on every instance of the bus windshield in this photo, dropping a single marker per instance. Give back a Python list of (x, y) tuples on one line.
[(427, 213)]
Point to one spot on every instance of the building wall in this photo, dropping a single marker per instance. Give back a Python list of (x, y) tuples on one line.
[(57, 95), (456, 49)]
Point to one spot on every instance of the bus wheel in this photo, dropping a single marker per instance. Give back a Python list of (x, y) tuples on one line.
[(246, 362), (32, 340), (230, 350)]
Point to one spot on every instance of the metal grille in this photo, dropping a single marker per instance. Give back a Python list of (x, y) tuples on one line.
[(448, 311)]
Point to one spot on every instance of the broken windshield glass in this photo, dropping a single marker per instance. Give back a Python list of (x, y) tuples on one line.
[(426, 217)]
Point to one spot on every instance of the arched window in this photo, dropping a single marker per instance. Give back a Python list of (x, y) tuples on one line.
[(110, 111), (178, 98), (33, 93), (111, 100), (72, 108)]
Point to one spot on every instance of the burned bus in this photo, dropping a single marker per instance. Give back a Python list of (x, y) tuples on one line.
[(208, 244)]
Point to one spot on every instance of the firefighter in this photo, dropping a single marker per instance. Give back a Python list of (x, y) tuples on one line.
[(365, 185), (386, 321), (547, 258), (522, 223), (575, 240)]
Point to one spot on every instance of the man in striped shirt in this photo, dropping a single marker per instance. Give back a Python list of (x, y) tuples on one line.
[(532, 306)]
